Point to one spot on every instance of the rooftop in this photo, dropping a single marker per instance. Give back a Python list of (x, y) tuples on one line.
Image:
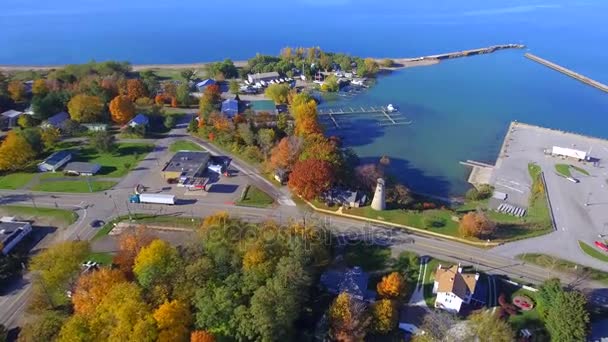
[(263, 106), (205, 83), (9, 230), (189, 163), (265, 75), (139, 119), (58, 119), (352, 281), (57, 157), (82, 167), (453, 280), (230, 107), (11, 113)]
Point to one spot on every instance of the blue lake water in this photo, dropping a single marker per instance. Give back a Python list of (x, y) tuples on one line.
[(460, 108)]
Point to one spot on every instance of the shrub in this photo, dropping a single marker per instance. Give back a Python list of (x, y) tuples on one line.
[(472, 194), (506, 306), (169, 122), (253, 153), (145, 102), (433, 221)]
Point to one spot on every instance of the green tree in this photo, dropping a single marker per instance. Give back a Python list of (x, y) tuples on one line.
[(85, 108), (50, 136), (187, 74), (156, 264), (103, 141), (330, 84), (565, 313), (44, 327), (266, 139), (246, 133), (58, 266), (486, 326), (183, 94), (278, 93), (49, 105), (215, 308), (234, 87), (26, 121)]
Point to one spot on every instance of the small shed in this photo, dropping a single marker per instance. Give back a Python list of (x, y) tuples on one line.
[(230, 108), (82, 169), (56, 160), (139, 120)]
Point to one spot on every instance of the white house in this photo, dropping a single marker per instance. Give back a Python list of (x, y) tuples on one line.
[(453, 288), (12, 232), (56, 160), (10, 117)]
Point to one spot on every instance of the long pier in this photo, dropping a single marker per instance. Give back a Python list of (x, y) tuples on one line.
[(388, 118), (568, 72), (432, 59)]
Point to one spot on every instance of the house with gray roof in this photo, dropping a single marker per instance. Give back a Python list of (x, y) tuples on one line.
[(56, 160), (345, 197), (82, 169), (12, 232), (9, 118), (57, 121)]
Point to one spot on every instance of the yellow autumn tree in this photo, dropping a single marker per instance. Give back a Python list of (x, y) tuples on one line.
[(305, 115), (201, 336), (348, 319), (221, 217), (391, 286), (16, 90), (155, 264), (85, 108), (50, 136), (39, 87), (122, 109), (173, 319), (93, 287), (384, 314), (253, 257), (15, 152)]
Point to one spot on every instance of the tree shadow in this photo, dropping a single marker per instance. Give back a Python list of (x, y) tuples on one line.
[(222, 188), (105, 170), (412, 177), (353, 131)]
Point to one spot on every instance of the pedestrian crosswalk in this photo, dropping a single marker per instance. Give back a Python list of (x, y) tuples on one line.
[(510, 209)]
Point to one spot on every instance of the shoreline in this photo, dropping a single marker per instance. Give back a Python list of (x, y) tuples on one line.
[(400, 63)]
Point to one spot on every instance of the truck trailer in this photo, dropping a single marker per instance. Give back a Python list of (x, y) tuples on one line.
[(152, 198)]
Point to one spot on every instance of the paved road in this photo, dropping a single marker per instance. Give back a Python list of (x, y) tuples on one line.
[(113, 203)]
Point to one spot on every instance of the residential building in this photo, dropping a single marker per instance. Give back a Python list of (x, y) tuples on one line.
[(352, 281), (186, 165), (230, 108), (82, 169), (56, 160), (57, 121), (453, 288), (265, 76), (9, 118), (202, 85), (345, 197), (139, 120), (12, 232)]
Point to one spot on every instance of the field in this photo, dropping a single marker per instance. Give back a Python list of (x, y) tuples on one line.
[(15, 181), (184, 145), (255, 197), (41, 216), (76, 186)]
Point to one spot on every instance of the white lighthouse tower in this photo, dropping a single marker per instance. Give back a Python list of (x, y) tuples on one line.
[(379, 202)]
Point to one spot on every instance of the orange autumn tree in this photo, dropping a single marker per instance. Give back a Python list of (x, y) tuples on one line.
[(122, 109), (39, 87), (201, 336), (159, 99), (391, 286), (285, 154), (16, 90), (173, 319), (15, 152), (306, 121), (135, 89), (93, 287), (311, 177), (129, 245), (476, 224)]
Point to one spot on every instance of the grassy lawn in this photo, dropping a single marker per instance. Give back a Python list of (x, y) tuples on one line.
[(101, 258), (592, 251), (116, 164), (581, 170), (184, 145), (525, 319), (255, 197), (553, 263), (153, 220), (74, 186), (563, 169), (15, 181), (412, 218), (65, 217)]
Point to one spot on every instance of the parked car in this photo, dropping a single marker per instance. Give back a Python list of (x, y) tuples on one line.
[(601, 246), (96, 223)]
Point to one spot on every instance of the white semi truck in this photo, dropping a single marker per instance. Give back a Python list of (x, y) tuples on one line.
[(153, 198)]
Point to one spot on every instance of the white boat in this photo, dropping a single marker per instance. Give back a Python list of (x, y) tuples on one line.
[(390, 108)]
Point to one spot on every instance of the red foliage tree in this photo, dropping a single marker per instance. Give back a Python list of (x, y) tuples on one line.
[(311, 177)]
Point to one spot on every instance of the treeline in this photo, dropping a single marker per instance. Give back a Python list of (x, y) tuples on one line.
[(235, 281)]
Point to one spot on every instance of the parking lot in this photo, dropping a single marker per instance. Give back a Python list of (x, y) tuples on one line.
[(580, 209)]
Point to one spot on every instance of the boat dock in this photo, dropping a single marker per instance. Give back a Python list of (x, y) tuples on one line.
[(458, 54), (383, 115), (568, 72)]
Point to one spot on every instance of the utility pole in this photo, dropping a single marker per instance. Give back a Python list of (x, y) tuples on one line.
[(33, 201), (89, 183), (588, 198)]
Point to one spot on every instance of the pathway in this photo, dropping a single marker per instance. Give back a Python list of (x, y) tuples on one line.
[(417, 298)]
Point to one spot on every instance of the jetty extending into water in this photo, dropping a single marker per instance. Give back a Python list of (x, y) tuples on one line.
[(434, 59), (568, 72)]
